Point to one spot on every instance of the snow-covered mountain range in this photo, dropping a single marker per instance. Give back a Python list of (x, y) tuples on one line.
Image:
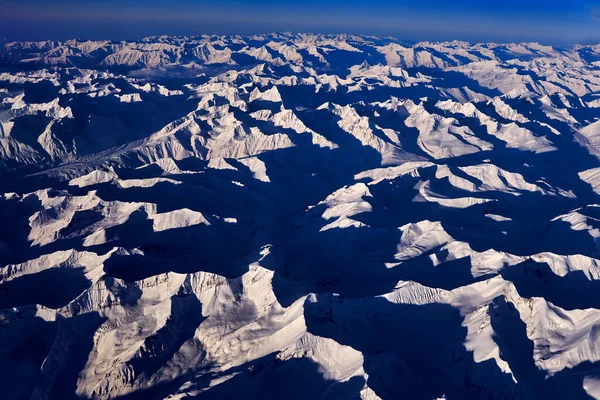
[(299, 216)]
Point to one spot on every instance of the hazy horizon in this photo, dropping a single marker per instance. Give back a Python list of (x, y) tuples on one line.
[(550, 22)]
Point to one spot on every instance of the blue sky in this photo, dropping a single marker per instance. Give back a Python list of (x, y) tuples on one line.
[(550, 21)]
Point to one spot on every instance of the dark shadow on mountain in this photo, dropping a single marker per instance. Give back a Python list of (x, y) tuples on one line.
[(27, 128), (341, 60), (588, 55), (569, 382), (448, 275), (81, 220), (159, 348), (42, 91), (41, 288), (452, 79), (304, 96), (26, 342), (510, 334), (391, 378), (574, 291), (350, 261), (76, 334), (14, 242), (426, 339), (267, 377), (271, 378), (182, 250), (408, 135)]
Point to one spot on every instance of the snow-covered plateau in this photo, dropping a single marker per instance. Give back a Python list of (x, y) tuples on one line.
[(297, 216)]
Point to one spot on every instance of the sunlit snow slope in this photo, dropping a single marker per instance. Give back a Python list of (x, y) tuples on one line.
[(298, 217)]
